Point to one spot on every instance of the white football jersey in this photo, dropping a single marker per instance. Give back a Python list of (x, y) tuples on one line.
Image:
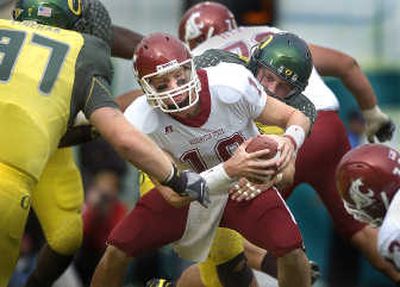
[(241, 40), (230, 99), (389, 233)]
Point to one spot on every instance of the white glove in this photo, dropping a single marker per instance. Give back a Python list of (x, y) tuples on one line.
[(378, 124)]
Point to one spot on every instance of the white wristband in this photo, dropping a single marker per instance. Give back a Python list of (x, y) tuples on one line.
[(297, 134), (218, 181)]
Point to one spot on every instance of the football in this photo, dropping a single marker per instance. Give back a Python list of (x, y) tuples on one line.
[(261, 142)]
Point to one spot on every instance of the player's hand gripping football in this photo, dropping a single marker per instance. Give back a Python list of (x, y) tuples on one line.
[(379, 125), (249, 164)]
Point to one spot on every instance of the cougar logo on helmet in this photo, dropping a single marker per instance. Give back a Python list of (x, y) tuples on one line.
[(367, 181), (360, 199), (193, 29), (203, 21)]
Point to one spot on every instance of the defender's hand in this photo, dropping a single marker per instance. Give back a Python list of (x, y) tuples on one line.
[(196, 188), (247, 190), (187, 183), (378, 124)]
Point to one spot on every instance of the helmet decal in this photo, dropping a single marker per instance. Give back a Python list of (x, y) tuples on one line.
[(367, 181), (43, 11), (75, 6), (266, 41), (360, 199), (193, 30)]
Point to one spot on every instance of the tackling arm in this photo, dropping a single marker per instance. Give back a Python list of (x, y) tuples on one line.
[(331, 62), (124, 42)]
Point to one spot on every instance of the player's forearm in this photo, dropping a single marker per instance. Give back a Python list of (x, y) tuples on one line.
[(124, 42), (297, 118), (133, 145), (357, 83), (330, 62), (124, 100)]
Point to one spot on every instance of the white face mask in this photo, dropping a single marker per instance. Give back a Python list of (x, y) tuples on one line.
[(166, 100)]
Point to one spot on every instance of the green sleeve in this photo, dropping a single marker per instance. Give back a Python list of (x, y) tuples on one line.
[(93, 76)]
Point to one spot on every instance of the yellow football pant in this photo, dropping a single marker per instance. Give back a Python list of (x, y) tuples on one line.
[(57, 201), (15, 189)]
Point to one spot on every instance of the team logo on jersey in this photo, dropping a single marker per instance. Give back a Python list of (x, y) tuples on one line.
[(25, 201), (168, 129)]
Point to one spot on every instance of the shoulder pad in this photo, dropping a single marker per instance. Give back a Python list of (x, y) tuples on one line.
[(233, 83), (140, 114), (213, 57)]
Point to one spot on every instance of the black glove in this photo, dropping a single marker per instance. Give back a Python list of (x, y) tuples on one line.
[(315, 271), (386, 131), (187, 183)]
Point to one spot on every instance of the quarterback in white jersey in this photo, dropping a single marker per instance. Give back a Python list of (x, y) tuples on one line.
[(368, 179), (201, 118), (207, 25)]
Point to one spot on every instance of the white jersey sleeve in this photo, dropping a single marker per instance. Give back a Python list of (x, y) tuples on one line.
[(389, 233), (141, 115)]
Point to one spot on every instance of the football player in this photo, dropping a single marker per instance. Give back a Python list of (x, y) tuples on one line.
[(48, 74), (368, 180), (211, 25), (201, 118)]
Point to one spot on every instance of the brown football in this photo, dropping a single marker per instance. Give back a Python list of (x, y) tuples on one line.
[(261, 142)]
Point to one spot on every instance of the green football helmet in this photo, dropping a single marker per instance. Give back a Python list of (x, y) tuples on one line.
[(58, 13), (287, 56)]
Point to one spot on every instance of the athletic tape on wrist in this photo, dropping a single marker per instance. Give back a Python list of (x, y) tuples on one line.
[(297, 134), (217, 179)]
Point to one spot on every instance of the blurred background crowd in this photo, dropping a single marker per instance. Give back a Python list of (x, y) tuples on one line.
[(366, 29)]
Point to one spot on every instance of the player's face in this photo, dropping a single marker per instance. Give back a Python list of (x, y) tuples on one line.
[(273, 84), (170, 83)]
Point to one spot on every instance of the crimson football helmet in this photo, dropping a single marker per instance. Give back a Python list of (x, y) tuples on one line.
[(367, 178), (203, 21), (159, 55)]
